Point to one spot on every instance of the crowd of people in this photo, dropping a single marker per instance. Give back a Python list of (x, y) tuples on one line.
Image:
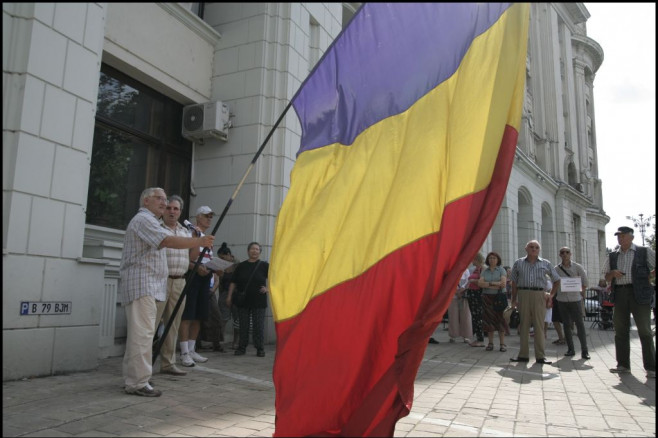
[(542, 294), (153, 281)]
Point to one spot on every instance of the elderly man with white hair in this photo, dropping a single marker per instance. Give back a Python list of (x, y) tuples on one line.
[(528, 285), (144, 273)]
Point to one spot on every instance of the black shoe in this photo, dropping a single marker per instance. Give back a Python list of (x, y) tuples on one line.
[(585, 356), (260, 353), (519, 359), (433, 341), (570, 353), (239, 352), (544, 361), (218, 348)]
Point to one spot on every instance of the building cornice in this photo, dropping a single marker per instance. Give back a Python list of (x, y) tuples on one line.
[(532, 171), (192, 21), (577, 11), (594, 212), (592, 53), (570, 193)]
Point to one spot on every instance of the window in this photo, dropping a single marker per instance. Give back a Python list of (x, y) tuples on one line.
[(314, 43), (137, 144)]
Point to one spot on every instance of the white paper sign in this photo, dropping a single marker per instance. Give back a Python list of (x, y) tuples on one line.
[(571, 284), (218, 264)]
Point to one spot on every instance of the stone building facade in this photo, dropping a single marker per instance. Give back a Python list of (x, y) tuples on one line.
[(93, 99)]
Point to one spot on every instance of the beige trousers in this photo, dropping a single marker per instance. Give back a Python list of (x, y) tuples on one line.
[(165, 310), (459, 318), (532, 309), (137, 369)]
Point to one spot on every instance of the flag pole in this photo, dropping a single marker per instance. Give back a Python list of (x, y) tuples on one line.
[(188, 281)]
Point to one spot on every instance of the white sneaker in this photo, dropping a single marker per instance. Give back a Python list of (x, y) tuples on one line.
[(186, 360), (196, 357)]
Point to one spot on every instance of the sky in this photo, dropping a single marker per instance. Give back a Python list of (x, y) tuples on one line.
[(625, 111)]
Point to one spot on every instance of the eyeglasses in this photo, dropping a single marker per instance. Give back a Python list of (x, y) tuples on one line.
[(533, 247), (565, 252), (159, 198)]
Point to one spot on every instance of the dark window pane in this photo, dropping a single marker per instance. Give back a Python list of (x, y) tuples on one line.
[(177, 176), (137, 144), (124, 104), (117, 177)]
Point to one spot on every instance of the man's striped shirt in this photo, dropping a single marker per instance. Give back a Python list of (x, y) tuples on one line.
[(526, 274), (625, 263), (143, 267)]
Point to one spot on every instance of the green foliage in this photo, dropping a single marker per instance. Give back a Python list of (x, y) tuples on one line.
[(111, 156), (651, 240)]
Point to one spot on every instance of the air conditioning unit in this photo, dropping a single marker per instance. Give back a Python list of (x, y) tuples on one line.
[(205, 120)]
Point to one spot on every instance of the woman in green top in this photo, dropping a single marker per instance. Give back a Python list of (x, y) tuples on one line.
[(492, 281)]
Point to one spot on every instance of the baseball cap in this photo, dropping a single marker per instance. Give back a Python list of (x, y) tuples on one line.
[(623, 230), (204, 209)]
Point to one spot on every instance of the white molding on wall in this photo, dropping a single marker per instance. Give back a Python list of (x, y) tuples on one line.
[(192, 21)]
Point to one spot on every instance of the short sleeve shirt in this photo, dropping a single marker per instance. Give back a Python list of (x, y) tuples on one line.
[(526, 274), (575, 270), (178, 260), (143, 268), (492, 277), (243, 278)]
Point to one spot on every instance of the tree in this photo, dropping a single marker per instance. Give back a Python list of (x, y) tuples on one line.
[(651, 240)]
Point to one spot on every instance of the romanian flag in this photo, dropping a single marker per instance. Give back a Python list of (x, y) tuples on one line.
[(409, 127)]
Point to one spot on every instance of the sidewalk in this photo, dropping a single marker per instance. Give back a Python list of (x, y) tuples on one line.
[(459, 391)]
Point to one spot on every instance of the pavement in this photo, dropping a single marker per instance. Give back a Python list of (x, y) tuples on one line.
[(459, 391)]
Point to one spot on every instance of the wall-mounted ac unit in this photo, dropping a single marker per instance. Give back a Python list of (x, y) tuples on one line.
[(205, 120)]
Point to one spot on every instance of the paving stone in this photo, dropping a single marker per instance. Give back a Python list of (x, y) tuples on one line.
[(459, 391)]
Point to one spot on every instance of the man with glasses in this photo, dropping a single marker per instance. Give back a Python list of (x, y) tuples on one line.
[(528, 283), (628, 269), (569, 300), (144, 273)]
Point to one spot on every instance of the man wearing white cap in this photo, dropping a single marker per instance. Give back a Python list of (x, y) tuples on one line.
[(196, 304)]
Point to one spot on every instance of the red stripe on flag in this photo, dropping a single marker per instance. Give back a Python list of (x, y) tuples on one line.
[(380, 323)]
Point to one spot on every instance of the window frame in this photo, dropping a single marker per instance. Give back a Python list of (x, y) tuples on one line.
[(164, 146)]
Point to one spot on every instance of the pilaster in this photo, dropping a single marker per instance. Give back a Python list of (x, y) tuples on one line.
[(581, 117)]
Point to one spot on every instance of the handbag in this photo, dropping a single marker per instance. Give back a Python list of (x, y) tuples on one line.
[(240, 298), (500, 302), (241, 294), (514, 319)]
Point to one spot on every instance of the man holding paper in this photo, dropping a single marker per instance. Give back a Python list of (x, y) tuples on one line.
[(572, 291)]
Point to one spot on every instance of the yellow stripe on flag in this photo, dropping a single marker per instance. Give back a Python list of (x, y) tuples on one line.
[(350, 206)]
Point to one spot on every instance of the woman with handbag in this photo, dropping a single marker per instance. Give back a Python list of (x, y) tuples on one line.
[(249, 288), (492, 281)]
